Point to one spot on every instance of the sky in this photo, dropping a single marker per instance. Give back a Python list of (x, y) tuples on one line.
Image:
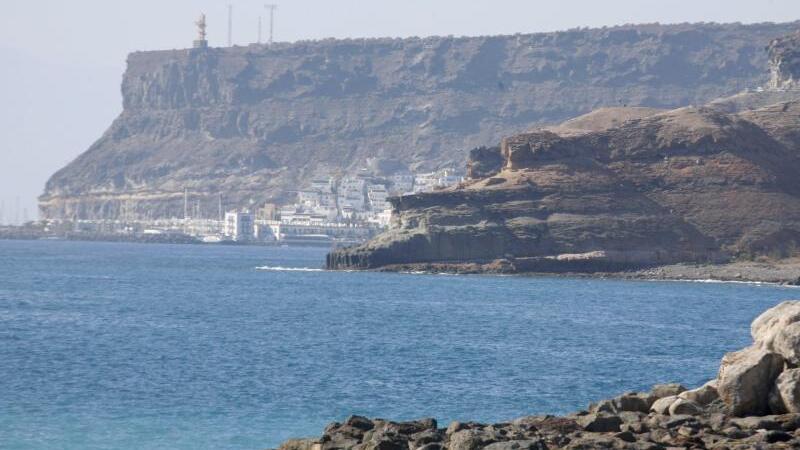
[(61, 62)]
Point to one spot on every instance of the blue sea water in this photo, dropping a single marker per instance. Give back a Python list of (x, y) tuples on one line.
[(130, 346)]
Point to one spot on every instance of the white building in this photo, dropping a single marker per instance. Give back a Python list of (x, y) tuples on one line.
[(323, 185), (351, 194), (426, 182), (377, 195), (402, 183), (239, 226), (308, 198)]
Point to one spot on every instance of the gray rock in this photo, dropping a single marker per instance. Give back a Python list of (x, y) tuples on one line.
[(789, 422), (785, 394), (426, 437), (684, 407), (774, 436), (431, 446), (703, 395), (634, 402), (359, 422), (472, 439), (387, 443), (457, 426), (626, 436), (746, 378), (517, 445), (753, 423), (661, 406), (679, 420), (600, 423), (300, 444), (666, 390), (778, 330)]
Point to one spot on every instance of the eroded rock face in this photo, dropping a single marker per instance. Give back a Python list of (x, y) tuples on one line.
[(704, 395), (252, 123), (778, 330), (785, 394), (784, 62), (746, 378), (689, 185)]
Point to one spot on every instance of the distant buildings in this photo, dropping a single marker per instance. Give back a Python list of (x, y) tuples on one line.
[(359, 198), (240, 226), (331, 211), (426, 182)]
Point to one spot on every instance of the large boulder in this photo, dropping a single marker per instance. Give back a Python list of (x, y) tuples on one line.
[(746, 378), (777, 330), (703, 395), (661, 406), (682, 407), (785, 395), (666, 390), (600, 422)]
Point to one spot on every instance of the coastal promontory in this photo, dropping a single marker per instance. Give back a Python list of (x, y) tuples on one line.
[(254, 124), (617, 189)]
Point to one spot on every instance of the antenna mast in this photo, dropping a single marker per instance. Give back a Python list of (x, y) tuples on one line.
[(271, 9), (259, 29), (201, 41), (230, 25)]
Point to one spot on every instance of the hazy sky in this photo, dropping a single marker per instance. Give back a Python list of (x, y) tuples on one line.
[(62, 61)]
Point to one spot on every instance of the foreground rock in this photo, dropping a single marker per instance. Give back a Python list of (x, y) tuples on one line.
[(753, 404)]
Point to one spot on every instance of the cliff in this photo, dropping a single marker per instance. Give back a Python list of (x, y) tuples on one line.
[(785, 62), (253, 123), (688, 185)]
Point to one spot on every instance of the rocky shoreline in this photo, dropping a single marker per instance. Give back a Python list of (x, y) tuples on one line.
[(754, 403), (783, 272)]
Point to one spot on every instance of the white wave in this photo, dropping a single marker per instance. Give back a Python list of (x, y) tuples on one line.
[(289, 269), (715, 281)]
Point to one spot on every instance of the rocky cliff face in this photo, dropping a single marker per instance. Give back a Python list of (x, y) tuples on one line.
[(254, 123), (692, 184), (784, 62)]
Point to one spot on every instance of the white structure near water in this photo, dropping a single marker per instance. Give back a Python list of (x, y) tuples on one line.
[(240, 225)]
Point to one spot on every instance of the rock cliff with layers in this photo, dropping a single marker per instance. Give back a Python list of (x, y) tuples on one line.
[(617, 189), (692, 184), (255, 123)]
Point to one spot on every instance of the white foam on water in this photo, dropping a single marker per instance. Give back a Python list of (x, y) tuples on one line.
[(715, 281), (289, 269)]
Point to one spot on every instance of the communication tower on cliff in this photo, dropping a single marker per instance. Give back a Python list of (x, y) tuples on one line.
[(271, 9), (201, 41), (230, 25)]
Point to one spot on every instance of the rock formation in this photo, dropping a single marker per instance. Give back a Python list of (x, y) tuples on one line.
[(254, 123), (784, 62), (692, 184), (753, 404)]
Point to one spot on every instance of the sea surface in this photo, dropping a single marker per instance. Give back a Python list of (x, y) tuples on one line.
[(132, 346)]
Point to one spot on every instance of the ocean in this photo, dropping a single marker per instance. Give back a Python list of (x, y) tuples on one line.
[(131, 346)]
